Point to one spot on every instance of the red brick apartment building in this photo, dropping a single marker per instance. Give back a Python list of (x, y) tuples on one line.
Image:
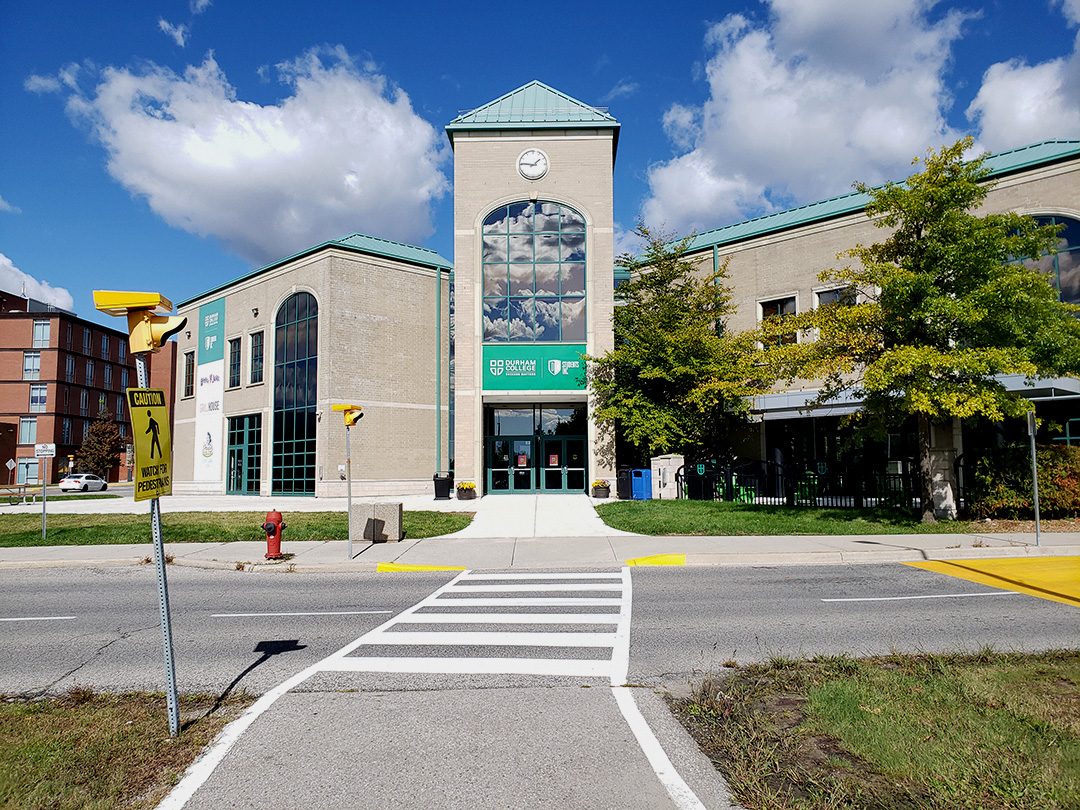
[(57, 372)]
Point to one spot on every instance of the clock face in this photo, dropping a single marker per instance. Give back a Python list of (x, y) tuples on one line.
[(532, 164)]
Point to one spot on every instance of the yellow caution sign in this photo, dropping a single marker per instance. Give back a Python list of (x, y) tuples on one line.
[(153, 443)]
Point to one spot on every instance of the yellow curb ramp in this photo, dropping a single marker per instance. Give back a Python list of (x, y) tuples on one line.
[(401, 568), (1054, 578), (657, 559)]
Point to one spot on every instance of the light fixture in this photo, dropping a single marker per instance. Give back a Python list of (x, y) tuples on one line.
[(187, 334), (255, 312)]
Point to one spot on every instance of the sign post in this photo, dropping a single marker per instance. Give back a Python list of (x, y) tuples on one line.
[(1034, 476), (352, 414), (153, 443), (11, 470), (44, 452)]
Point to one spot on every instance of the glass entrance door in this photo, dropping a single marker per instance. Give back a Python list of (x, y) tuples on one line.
[(510, 464), (562, 464), (243, 457)]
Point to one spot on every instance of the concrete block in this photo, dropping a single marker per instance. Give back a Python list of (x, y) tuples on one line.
[(377, 522)]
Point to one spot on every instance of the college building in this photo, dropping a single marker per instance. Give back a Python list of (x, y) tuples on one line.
[(477, 366)]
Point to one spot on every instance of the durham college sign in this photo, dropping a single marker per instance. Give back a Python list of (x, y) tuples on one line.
[(544, 367)]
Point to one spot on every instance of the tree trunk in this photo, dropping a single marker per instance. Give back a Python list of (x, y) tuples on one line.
[(925, 471)]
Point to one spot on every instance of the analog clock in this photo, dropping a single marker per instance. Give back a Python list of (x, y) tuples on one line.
[(532, 164)]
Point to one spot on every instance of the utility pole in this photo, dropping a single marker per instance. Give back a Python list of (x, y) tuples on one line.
[(352, 414)]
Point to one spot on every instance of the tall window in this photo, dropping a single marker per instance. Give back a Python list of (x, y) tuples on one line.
[(84, 403), (189, 374), (89, 372), (102, 403), (86, 340), (1064, 264), (234, 362), (65, 430), (123, 376), (31, 365), (121, 350), (67, 335), (119, 408), (296, 354), (69, 368), (256, 358), (776, 309), (28, 430), (41, 334), (108, 375), (37, 398), (105, 346), (534, 273)]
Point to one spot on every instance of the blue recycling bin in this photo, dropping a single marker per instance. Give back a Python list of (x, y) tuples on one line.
[(641, 485)]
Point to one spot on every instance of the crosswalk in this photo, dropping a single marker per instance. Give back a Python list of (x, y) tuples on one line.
[(566, 623)]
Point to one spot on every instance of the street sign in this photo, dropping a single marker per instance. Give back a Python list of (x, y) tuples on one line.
[(153, 443), (10, 464), (44, 451)]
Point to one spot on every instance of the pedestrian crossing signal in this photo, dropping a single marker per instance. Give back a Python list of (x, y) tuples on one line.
[(353, 413)]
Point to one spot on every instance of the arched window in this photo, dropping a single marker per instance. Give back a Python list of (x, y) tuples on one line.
[(1064, 265), (296, 359), (534, 273)]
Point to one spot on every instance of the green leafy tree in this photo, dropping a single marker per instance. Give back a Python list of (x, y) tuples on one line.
[(677, 380), (939, 308), (101, 447)]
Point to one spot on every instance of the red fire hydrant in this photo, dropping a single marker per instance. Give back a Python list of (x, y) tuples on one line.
[(274, 528)]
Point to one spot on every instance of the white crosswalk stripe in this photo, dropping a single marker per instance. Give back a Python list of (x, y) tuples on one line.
[(532, 599)]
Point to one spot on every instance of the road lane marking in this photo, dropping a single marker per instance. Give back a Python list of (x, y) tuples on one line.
[(926, 596), (543, 601), (548, 575), (1055, 578), (583, 668), (657, 559), (494, 639), (540, 587), (310, 613), (403, 568), (37, 618), (511, 618)]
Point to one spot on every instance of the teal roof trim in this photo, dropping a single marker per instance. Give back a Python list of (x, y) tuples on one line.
[(999, 164), (356, 242), (532, 106)]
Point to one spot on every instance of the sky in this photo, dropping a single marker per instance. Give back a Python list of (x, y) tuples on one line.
[(174, 145)]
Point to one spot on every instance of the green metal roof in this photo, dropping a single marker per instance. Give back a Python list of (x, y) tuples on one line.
[(999, 164), (357, 243), (533, 106)]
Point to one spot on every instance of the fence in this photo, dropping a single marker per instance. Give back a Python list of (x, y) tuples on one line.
[(769, 483)]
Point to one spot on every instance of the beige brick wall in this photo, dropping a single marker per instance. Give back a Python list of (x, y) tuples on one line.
[(486, 176), (377, 348)]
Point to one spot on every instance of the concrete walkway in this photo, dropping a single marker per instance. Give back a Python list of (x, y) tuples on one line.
[(513, 516)]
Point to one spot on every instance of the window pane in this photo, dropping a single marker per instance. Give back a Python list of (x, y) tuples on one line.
[(547, 217), (547, 318), (513, 422), (547, 279), (547, 247), (521, 249), (521, 319), (28, 430), (495, 326), (573, 247), (496, 221), (495, 279), (1069, 276), (572, 220), (521, 279), (572, 279), (573, 319), (495, 248), (521, 216)]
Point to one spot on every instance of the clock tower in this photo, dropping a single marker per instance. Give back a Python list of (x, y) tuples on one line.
[(533, 290)]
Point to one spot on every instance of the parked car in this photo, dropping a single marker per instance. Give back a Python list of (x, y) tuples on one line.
[(82, 482)]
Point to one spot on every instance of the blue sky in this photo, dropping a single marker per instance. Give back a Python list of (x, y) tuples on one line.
[(174, 145)]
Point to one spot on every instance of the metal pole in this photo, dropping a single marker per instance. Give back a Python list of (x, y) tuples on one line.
[(348, 486), (44, 488), (1034, 478), (171, 699)]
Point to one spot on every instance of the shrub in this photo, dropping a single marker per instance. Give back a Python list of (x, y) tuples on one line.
[(1001, 485)]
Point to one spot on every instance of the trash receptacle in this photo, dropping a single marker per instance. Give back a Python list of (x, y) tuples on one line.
[(641, 485), (622, 484), (444, 484)]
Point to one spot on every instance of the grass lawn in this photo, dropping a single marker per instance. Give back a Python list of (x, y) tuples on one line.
[(726, 519), (990, 730), (204, 527), (89, 750)]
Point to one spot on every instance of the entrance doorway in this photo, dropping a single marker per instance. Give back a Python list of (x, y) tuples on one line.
[(244, 455), (535, 449)]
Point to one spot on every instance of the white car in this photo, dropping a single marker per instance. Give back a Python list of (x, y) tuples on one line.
[(82, 482)]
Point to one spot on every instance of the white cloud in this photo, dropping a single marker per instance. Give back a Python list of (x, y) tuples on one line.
[(824, 94), (199, 6), (622, 89), (41, 84), (178, 33), (8, 208), (16, 281), (1020, 103), (343, 152)]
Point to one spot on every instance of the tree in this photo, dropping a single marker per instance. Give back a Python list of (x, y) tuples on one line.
[(101, 447), (941, 306), (677, 380)]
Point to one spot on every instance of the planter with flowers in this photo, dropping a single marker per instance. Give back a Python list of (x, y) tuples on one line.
[(466, 491), (601, 488)]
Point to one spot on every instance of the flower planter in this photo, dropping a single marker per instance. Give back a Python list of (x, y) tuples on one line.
[(601, 492), (466, 494)]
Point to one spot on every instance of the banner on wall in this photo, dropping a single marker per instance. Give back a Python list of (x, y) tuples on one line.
[(534, 367), (210, 392)]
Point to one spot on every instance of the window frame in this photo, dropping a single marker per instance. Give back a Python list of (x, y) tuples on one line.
[(188, 381), (261, 356), (41, 341), (234, 347), (41, 406), (770, 299), (28, 427), (31, 373)]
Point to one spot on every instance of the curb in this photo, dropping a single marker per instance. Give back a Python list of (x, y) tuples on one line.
[(700, 559)]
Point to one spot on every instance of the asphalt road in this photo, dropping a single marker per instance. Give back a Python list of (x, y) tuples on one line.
[(361, 734)]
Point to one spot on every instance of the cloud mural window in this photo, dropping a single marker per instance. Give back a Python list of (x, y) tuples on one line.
[(1063, 265), (534, 273)]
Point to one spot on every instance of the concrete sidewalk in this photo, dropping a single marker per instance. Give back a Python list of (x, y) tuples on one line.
[(501, 553)]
